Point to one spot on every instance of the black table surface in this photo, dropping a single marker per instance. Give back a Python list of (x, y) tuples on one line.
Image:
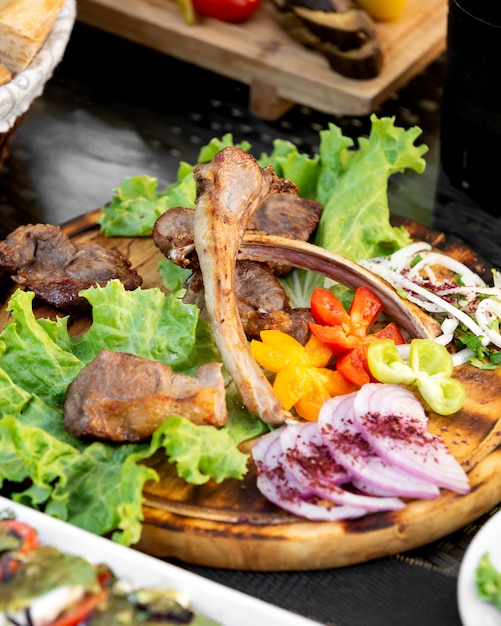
[(115, 109)]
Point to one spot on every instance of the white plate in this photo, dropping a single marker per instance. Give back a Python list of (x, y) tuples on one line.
[(473, 610), (227, 606)]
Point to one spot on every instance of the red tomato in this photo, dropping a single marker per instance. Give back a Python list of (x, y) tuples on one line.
[(226, 10), (79, 613), (11, 559)]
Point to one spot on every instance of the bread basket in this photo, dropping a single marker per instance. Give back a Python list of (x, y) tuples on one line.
[(17, 95)]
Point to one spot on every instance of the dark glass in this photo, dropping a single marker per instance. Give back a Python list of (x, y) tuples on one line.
[(471, 107)]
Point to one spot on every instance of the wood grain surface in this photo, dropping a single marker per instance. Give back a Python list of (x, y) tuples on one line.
[(279, 71), (231, 525)]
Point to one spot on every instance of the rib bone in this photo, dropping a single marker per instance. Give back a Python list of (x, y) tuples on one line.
[(229, 189)]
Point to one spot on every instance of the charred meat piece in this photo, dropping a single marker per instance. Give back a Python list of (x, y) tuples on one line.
[(261, 300), (122, 397), (48, 263), (282, 214), (338, 29), (286, 215), (229, 190), (173, 236)]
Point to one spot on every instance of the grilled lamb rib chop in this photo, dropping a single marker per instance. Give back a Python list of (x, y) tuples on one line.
[(122, 397), (262, 301), (48, 263), (229, 189)]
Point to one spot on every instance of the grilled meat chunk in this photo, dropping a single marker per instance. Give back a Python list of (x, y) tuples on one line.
[(261, 300), (173, 236), (48, 263), (122, 397), (282, 214)]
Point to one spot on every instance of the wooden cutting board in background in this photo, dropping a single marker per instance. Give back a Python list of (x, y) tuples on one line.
[(231, 525), (279, 71)]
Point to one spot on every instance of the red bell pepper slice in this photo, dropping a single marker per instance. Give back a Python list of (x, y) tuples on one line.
[(353, 365), (82, 610), (346, 334), (364, 310), (327, 310)]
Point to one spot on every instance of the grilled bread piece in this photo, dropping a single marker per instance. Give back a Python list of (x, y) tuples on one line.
[(24, 26)]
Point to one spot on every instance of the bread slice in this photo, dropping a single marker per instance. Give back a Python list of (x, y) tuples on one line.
[(24, 26), (5, 75)]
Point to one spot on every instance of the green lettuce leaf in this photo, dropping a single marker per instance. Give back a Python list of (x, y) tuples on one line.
[(200, 452), (134, 208), (353, 187), (142, 322), (98, 486), (30, 356)]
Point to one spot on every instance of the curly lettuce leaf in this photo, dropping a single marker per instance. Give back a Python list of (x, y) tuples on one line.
[(144, 322), (289, 163), (488, 581), (200, 452), (29, 355), (45, 467), (353, 187), (173, 276), (134, 208)]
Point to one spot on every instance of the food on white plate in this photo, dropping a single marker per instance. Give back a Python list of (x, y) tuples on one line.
[(488, 581), (41, 585), (339, 29), (123, 397), (43, 259), (24, 26)]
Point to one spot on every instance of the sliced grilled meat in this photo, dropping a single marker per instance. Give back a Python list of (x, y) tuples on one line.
[(282, 214), (173, 236), (122, 397), (48, 263), (261, 300)]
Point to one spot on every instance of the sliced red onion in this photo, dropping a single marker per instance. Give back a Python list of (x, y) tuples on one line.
[(395, 428), (338, 430), (309, 460), (279, 486), (387, 399), (301, 439)]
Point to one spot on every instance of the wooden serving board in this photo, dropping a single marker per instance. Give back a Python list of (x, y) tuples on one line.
[(279, 71), (231, 525)]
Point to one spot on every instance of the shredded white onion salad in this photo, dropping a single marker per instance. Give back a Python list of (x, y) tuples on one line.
[(445, 287)]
